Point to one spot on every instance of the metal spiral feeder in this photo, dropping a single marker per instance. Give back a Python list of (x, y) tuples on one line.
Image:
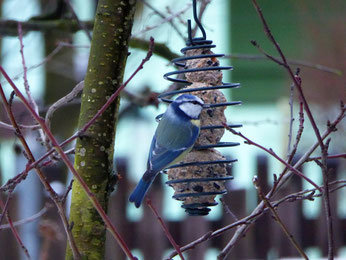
[(203, 173)]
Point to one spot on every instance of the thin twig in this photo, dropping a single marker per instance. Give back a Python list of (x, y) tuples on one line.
[(165, 229), (14, 230), (335, 156), (69, 188), (13, 182), (285, 175), (5, 208), (80, 23), (296, 80), (35, 66), (278, 219), (245, 223), (36, 163), (22, 127), (326, 201), (309, 194), (167, 19), (62, 101), (210, 234), (27, 220), (228, 210), (31, 158), (300, 63), (290, 129), (64, 157), (255, 215), (299, 132), (25, 69), (25, 77), (272, 153), (164, 17)]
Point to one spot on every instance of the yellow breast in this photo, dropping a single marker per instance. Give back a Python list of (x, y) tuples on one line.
[(181, 156), (196, 122)]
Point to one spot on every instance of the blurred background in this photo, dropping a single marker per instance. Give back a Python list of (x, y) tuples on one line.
[(311, 34)]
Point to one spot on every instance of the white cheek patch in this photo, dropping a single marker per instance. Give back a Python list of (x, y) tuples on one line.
[(191, 110)]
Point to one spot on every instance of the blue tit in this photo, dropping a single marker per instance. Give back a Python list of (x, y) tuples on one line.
[(175, 136)]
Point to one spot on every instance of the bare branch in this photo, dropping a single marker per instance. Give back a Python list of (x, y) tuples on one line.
[(272, 153), (278, 219), (14, 230), (296, 80), (167, 19), (164, 17), (31, 158), (29, 219), (165, 229), (63, 101), (244, 224), (301, 63), (81, 24)]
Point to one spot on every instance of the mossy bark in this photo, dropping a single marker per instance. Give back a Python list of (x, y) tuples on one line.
[(94, 151)]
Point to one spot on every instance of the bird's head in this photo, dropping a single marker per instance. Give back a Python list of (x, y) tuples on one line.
[(190, 105)]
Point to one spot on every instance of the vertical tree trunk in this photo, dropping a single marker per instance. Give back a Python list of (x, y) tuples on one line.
[(94, 151)]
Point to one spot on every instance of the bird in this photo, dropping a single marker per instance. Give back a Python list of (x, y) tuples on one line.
[(174, 138)]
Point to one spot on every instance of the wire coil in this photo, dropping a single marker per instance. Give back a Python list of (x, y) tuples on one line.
[(195, 44)]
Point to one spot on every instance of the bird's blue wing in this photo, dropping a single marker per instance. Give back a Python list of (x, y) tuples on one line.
[(174, 132), (168, 144), (160, 157)]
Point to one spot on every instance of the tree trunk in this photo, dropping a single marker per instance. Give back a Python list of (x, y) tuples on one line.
[(94, 151)]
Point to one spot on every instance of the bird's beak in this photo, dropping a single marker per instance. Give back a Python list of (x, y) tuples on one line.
[(206, 106)]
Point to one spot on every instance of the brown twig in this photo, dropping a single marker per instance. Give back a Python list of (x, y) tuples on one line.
[(22, 127), (27, 220), (296, 80), (69, 188), (25, 77), (210, 234), (165, 229), (14, 230), (35, 66), (36, 163), (31, 158), (25, 69), (5, 208), (228, 210), (300, 63), (309, 194), (80, 23), (58, 148), (171, 22), (245, 223), (335, 156), (255, 215), (272, 153), (299, 132), (277, 218), (290, 128), (167, 19), (290, 154), (62, 101), (326, 200)]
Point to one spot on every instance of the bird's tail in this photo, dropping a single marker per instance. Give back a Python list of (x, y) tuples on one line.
[(138, 194)]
